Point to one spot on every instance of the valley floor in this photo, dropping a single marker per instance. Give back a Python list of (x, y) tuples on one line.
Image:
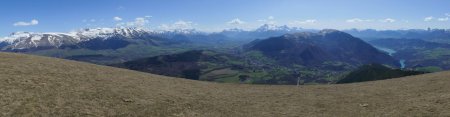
[(41, 86)]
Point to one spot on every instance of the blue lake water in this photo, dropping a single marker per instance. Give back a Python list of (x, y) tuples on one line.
[(402, 64), (387, 50), (391, 52)]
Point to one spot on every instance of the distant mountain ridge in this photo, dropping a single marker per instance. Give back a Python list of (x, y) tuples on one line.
[(315, 48), (436, 35), (312, 56), (418, 53), (25, 41), (262, 32), (28, 40)]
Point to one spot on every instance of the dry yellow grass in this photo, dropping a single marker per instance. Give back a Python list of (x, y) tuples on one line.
[(41, 86)]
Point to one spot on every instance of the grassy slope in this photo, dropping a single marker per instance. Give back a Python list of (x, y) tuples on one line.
[(32, 86)]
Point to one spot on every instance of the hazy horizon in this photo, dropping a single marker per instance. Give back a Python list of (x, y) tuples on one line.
[(216, 15)]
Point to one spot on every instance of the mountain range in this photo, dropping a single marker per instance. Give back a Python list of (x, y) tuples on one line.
[(316, 56), (104, 38), (434, 35), (314, 48), (25, 41), (418, 53), (270, 54), (22, 41)]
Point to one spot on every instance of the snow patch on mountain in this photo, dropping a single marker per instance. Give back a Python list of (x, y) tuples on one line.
[(273, 27), (24, 40)]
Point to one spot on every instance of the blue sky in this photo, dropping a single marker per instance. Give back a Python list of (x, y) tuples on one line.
[(215, 15)]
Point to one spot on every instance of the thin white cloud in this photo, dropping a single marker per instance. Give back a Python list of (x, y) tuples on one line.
[(269, 20), (165, 27), (427, 19), (388, 20), (272, 22), (178, 25), (148, 16), (117, 18), (31, 23), (261, 20), (183, 24), (138, 22), (443, 19), (236, 21), (121, 8), (354, 20), (309, 21), (88, 20)]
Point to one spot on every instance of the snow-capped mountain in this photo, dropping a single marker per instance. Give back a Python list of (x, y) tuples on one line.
[(266, 28), (28, 40), (24, 40), (101, 37), (264, 31), (273, 27), (90, 33)]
